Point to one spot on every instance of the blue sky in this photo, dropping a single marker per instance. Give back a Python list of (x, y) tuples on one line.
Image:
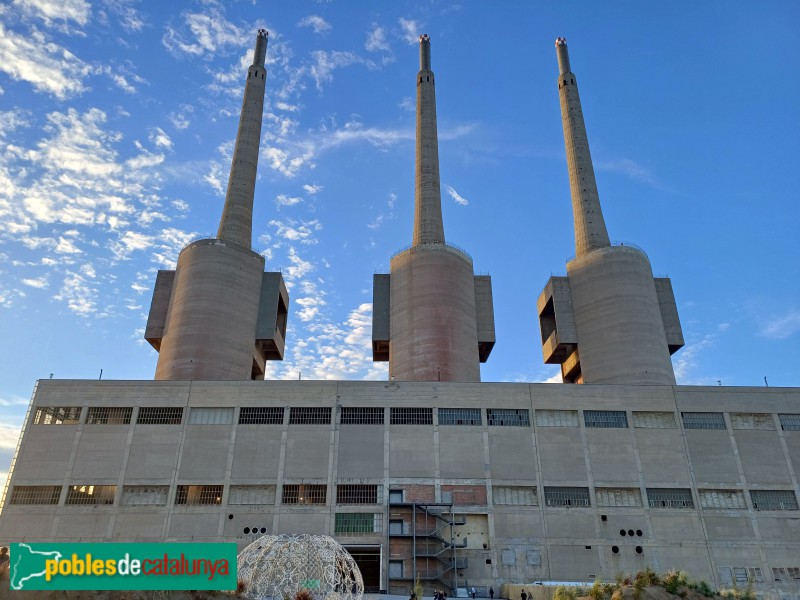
[(117, 120)]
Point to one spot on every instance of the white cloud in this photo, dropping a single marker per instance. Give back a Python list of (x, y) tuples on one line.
[(66, 246), (460, 200), (309, 307), (319, 24), (376, 39), (78, 295), (37, 282), (129, 242), (48, 67), (9, 435), (631, 169), (294, 231), (208, 32), (782, 327), (287, 107), (326, 62), (408, 104), (312, 188), (299, 267), (57, 10), (409, 30), (180, 120), (284, 200), (386, 215), (688, 358), (159, 137)]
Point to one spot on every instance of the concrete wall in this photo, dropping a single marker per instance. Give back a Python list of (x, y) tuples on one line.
[(434, 463)]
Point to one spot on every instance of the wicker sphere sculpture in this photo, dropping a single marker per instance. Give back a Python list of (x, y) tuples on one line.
[(275, 567)]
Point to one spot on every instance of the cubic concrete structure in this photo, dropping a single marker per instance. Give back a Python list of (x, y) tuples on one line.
[(433, 319), (609, 320), (456, 482), (219, 315)]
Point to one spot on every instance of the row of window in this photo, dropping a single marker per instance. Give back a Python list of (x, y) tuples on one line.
[(371, 494), (656, 497), (495, 417), (744, 575), (197, 495)]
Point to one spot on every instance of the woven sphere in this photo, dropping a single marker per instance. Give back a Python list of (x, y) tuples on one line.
[(276, 567)]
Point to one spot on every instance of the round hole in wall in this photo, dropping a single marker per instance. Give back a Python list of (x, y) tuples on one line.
[(622, 532), (630, 532), (230, 516), (263, 530), (639, 532), (615, 549), (246, 530), (638, 549)]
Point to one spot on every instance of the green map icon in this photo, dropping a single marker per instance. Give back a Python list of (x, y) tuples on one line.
[(27, 564)]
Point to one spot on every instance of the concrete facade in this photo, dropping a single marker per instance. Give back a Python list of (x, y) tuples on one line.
[(509, 483)]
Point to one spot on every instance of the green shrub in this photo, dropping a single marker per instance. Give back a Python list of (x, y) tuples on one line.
[(565, 593), (601, 591)]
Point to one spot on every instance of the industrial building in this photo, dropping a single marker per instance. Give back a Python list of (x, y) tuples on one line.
[(431, 474)]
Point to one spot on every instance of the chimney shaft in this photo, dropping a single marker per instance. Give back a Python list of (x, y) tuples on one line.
[(590, 227), (236, 224)]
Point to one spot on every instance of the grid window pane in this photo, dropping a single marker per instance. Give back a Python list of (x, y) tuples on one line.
[(773, 499), (508, 417), (411, 416), (460, 416), (304, 494), (91, 494), (35, 494), (160, 415), (310, 415), (703, 420), (605, 418), (261, 415), (790, 422), (752, 421), (210, 416), (618, 497), (654, 420), (515, 495), (721, 499), (194, 495), (107, 415), (556, 418), (362, 415), (251, 494), (358, 494), (57, 415), (359, 523), (144, 495), (566, 496), (669, 498)]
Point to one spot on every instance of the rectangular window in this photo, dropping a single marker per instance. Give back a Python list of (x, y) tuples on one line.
[(411, 416), (310, 415), (460, 416), (517, 495), (618, 496), (35, 494), (616, 419), (261, 415), (197, 495), (773, 499), (790, 422), (210, 416), (566, 496), (304, 494), (508, 417), (752, 421), (703, 420), (107, 415), (669, 498), (144, 495), (556, 418), (358, 523), (91, 494), (362, 415), (786, 573), (395, 569), (721, 499), (251, 495), (358, 494), (395, 496), (160, 415), (57, 415), (654, 420), (743, 575)]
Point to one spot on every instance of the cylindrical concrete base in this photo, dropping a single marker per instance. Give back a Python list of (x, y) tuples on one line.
[(211, 321), (620, 334), (434, 335)]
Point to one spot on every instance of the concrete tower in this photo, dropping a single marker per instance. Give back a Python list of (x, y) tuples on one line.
[(218, 315), (609, 320), (432, 317)]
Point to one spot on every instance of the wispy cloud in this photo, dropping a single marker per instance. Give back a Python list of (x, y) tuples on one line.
[(57, 10), (460, 200), (203, 34), (410, 30), (783, 326), (312, 188), (631, 169), (326, 62), (284, 200), (9, 435), (316, 22), (377, 39)]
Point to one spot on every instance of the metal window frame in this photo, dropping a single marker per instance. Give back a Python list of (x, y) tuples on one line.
[(57, 415), (357, 523), (721, 499), (774, 500), (549, 417), (362, 415), (790, 422), (160, 415), (618, 496), (569, 497), (304, 493), (35, 494), (508, 417), (310, 415), (605, 419), (654, 419), (460, 416), (109, 415), (90, 494), (198, 495), (703, 420), (211, 415), (359, 493), (670, 498), (261, 415), (505, 495), (410, 416)]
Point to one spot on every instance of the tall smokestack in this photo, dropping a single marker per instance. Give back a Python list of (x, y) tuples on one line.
[(236, 224), (590, 228), (428, 225)]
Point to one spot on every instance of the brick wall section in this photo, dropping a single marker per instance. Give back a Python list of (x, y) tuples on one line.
[(467, 495), (417, 493)]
